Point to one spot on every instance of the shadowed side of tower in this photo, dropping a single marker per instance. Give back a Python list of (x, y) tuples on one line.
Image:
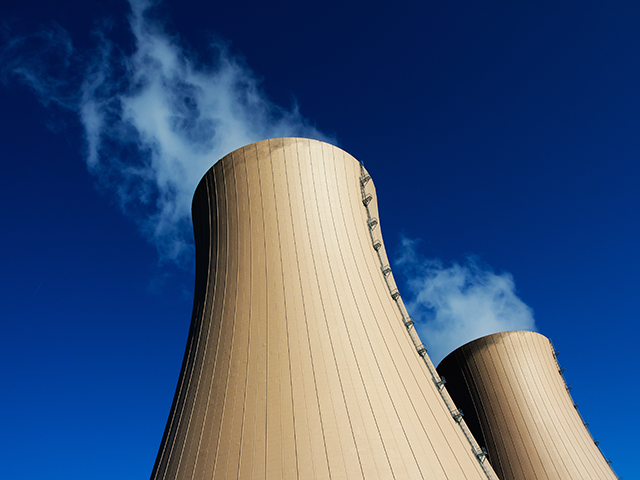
[(298, 364), (517, 403)]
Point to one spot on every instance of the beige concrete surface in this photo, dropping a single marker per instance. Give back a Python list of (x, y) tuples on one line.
[(516, 403), (298, 364)]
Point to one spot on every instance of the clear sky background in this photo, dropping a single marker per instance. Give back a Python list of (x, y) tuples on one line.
[(503, 140)]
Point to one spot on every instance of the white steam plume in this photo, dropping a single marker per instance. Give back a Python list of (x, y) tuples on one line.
[(456, 304), (155, 120)]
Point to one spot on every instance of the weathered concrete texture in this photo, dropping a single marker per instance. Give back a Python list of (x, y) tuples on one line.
[(298, 365), (516, 402)]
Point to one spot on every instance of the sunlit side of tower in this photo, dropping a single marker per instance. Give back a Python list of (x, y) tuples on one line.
[(517, 404), (301, 362)]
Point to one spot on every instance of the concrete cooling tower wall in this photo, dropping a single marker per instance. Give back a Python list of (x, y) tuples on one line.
[(301, 362), (516, 402)]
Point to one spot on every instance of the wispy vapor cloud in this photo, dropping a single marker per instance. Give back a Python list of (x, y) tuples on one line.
[(155, 119), (455, 304), (42, 62)]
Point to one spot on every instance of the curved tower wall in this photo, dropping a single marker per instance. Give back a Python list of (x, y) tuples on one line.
[(298, 364), (516, 402)]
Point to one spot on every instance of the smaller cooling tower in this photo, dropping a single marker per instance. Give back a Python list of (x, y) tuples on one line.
[(516, 403)]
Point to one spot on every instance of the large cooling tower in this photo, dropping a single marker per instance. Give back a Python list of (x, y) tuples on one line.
[(511, 389), (301, 361)]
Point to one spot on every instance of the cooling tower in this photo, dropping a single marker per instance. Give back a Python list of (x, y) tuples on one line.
[(301, 361), (517, 403)]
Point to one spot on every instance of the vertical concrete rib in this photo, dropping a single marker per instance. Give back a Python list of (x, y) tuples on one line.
[(213, 309), (287, 453), (307, 336), (228, 321), (298, 364)]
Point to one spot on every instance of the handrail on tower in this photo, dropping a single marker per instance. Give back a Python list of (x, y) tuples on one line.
[(480, 453)]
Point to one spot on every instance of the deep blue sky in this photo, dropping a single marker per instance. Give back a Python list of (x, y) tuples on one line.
[(508, 131)]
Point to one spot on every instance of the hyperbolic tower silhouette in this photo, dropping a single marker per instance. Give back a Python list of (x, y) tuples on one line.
[(301, 361)]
